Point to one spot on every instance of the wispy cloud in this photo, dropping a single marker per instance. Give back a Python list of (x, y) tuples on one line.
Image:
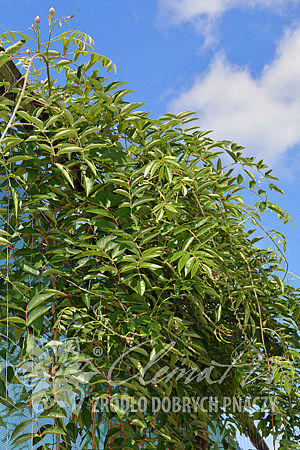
[(261, 113), (189, 10), (205, 14)]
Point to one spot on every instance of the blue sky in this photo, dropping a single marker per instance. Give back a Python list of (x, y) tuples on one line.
[(234, 62)]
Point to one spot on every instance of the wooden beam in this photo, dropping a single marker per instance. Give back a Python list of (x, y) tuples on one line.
[(10, 73)]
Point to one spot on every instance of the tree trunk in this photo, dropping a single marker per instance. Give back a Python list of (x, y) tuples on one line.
[(256, 439), (250, 429), (201, 443)]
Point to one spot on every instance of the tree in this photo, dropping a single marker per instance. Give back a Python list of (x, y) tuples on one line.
[(129, 271)]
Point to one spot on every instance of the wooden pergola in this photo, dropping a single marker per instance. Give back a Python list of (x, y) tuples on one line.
[(9, 72)]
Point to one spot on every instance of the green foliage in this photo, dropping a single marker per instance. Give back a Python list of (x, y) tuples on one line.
[(126, 233)]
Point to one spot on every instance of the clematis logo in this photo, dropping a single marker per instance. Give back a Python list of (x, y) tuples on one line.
[(55, 373), (166, 374)]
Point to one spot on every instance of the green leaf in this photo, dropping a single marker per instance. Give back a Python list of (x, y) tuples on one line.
[(80, 70), (151, 253), (87, 299), (280, 283), (4, 241), (218, 313), (138, 423), (37, 312), (171, 208), (62, 63), (65, 133), (20, 427), (19, 158), (15, 47), (39, 299), (88, 184), (24, 437), (240, 179), (195, 268), (141, 286), (188, 266), (29, 269), (11, 141), (31, 119), (183, 261), (54, 430), (15, 199), (205, 229), (177, 255), (69, 149), (15, 319), (130, 107), (3, 58), (262, 206), (276, 188), (287, 386), (65, 173), (147, 265), (250, 174), (55, 412), (188, 243)]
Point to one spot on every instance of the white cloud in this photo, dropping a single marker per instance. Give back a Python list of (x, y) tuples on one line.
[(187, 10), (262, 114)]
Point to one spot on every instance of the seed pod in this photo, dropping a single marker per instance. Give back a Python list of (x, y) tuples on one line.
[(51, 12)]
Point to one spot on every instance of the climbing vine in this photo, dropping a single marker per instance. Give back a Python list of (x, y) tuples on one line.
[(129, 269)]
